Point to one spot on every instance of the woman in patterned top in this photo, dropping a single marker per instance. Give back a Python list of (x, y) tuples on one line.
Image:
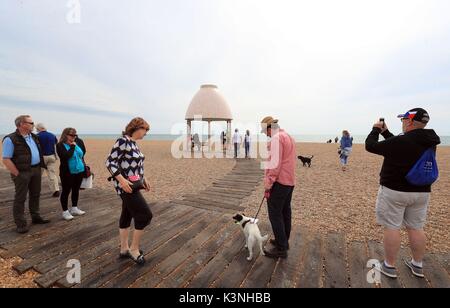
[(126, 165)]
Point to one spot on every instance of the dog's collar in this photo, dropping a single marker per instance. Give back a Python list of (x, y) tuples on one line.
[(245, 223)]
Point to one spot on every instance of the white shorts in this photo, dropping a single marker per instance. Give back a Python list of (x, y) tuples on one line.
[(397, 208)]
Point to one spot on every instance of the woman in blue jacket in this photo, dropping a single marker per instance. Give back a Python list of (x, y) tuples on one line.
[(345, 149)]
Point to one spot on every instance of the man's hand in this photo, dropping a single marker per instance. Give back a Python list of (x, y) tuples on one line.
[(381, 125), (10, 166), (267, 194)]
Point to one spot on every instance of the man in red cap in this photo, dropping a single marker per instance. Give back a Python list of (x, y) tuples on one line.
[(400, 202)]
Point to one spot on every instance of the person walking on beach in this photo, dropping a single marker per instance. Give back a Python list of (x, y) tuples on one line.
[(223, 138), (247, 141), (345, 149), (48, 145), (399, 202), (126, 165), (279, 183), (22, 156), (71, 151), (237, 141)]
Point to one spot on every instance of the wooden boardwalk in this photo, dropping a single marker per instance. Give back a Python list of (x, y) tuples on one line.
[(191, 243)]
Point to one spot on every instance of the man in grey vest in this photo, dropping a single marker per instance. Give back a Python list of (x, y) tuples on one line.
[(23, 158)]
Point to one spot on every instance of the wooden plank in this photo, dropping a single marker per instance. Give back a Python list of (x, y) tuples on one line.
[(261, 272), (311, 267), (206, 276), (64, 244), (286, 270), (376, 251), (199, 259), (237, 270), (213, 201), (214, 194), (150, 242), (435, 273), (89, 252), (335, 266), (199, 206), (167, 221), (357, 261), (178, 259), (132, 274), (54, 232), (444, 260)]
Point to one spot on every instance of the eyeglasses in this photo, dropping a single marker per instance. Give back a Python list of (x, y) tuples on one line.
[(31, 123), (71, 135)]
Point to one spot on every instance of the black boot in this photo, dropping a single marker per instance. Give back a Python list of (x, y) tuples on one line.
[(275, 253)]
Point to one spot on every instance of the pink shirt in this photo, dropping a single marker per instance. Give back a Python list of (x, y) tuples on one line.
[(282, 160)]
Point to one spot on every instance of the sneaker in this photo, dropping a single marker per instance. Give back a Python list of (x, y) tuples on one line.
[(415, 270), (390, 272), (67, 216), (76, 212)]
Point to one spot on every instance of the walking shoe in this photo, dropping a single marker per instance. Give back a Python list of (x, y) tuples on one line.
[(40, 221), (67, 216), (275, 253), (274, 243), (55, 194), (75, 211), (22, 229), (390, 272), (415, 270)]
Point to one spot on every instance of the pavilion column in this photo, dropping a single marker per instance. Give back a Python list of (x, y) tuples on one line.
[(188, 137), (209, 135), (228, 133)]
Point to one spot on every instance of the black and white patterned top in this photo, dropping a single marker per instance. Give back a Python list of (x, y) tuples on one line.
[(125, 159)]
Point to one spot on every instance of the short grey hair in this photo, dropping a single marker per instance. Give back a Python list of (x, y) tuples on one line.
[(41, 127), (20, 119)]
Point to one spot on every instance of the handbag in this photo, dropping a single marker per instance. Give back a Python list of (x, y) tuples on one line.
[(137, 183)]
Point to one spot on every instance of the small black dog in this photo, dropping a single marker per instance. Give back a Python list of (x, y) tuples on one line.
[(306, 160)]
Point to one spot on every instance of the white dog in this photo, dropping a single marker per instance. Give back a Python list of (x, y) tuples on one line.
[(251, 232)]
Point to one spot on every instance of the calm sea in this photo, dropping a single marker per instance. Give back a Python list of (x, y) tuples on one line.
[(358, 139)]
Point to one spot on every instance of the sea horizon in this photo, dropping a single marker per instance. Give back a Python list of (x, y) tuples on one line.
[(319, 138)]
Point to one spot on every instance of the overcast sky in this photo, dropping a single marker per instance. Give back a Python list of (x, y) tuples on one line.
[(318, 66)]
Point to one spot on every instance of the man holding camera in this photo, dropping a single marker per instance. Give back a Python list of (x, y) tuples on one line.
[(399, 202)]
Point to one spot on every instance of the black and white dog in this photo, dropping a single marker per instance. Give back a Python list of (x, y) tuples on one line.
[(252, 234), (306, 160)]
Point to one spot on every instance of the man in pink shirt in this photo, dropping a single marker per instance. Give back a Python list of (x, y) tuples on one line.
[(279, 182)]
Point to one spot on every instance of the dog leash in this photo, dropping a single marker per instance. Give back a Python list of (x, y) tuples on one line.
[(260, 206)]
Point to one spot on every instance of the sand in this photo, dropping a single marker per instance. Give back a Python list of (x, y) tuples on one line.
[(325, 199)]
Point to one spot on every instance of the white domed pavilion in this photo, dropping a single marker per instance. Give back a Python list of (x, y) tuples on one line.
[(209, 105)]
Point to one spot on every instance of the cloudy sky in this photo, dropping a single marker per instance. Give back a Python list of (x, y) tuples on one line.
[(319, 66)]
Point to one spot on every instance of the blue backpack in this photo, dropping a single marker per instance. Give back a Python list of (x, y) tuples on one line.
[(425, 172)]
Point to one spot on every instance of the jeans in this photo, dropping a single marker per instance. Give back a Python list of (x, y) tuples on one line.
[(247, 149)]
